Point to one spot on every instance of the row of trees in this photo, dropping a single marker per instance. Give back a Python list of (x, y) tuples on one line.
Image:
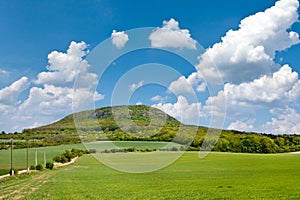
[(229, 141)]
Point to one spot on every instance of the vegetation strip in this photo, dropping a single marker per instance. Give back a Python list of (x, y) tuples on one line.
[(64, 132)]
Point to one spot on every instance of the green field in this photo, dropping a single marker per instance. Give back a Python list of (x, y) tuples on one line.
[(20, 155), (217, 176)]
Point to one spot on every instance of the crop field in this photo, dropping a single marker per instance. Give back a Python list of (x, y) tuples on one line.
[(20, 155), (217, 176)]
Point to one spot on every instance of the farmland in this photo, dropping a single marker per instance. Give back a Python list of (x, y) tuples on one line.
[(20, 155), (217, 176)]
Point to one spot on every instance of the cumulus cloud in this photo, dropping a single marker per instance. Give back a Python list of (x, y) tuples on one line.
[(135, 86), (186, 85), (9, 102), (202, 87), (119, 39), (9, 95), (63, 68), (182, 110), (247, 53), (181, 85), (139, 103), (53, 100), (278, 89), (287, 120), (53, 96), (170, 35), (242, 126)]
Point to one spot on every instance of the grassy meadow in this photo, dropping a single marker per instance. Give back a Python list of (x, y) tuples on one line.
[(20, 155), (217, 176)]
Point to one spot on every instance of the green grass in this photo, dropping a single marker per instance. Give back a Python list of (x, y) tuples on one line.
[(4, 171), (20, 155), (217, 176)]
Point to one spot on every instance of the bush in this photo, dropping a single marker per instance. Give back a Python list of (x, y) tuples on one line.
[(105, 151), (32, 167), (174, 149), (131, 149), (92, 151), (193, 149), (57, 159), (63, 159), (68, 155), (49, 165), (39, 167), (113, 150)]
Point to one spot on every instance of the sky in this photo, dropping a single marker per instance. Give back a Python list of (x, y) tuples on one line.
[(225, 64)]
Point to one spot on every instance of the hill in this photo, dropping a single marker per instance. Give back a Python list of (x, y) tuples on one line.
[(114, 123), (144, 123)]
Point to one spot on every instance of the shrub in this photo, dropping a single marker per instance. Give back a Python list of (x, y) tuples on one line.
[(193, 149), (80, 154), (68, 155), (105, 151), (39, 167), (63, 159), (57, 159), (131, 149), (92, 151), (174, 149), (49, 165), (32, 167), (113, 150)]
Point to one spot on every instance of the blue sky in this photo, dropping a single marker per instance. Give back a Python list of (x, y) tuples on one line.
[(44, 44)]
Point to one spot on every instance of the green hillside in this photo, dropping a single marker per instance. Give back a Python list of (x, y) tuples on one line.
[(144, 123), (114, 123)]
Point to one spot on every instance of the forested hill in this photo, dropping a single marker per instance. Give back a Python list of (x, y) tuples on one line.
[(132, 123)]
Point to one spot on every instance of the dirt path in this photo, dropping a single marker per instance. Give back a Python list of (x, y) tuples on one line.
[(24, 185), (19, 187), (296, 152)]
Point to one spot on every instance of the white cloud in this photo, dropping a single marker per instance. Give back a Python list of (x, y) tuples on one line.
[(63, 68), (283, 85), (242, 126), (202, 87), (55, 97), (53, 100), (287, 121), (180, 85), (182, 110), (268, 91), (170, 35), (247, 53), (185, 85), (9, 102), (9, 95), (135, 86), (159, 98), (119, 39), (139, 103)]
